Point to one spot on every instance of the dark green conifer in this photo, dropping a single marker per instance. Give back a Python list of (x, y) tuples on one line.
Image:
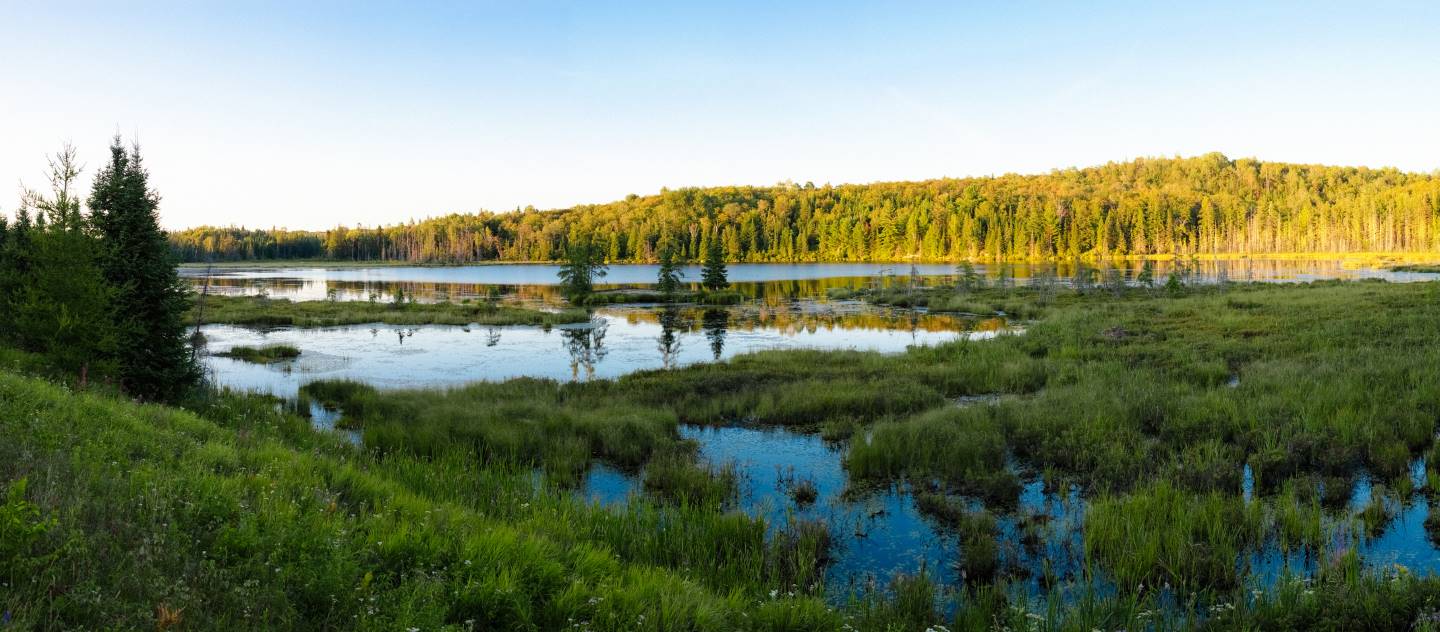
[(151, 301), (58, 303), (668, 282), (713, 275)]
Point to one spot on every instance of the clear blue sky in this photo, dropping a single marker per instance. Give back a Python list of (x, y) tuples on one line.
[(307, 114)]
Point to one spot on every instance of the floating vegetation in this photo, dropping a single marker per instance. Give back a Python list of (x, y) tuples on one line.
[(262, 355)]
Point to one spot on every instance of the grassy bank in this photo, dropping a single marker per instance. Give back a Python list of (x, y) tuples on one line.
[(255, 310), (1430, 268)]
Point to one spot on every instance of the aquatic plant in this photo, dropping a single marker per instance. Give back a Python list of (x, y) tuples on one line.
[(262, 355)]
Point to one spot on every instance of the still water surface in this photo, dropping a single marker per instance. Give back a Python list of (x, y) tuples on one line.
[(755, 280)]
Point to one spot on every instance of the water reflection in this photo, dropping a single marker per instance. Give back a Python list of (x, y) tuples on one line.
[(586, 346), (714, 322), (615, 342), (759, 282), (671, 324)]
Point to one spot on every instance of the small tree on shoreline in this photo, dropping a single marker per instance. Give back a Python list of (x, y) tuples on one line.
[(714, 276), (583, 264), (668, 282)]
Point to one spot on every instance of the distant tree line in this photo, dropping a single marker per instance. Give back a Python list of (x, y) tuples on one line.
[(96, 294), (1205, 204)]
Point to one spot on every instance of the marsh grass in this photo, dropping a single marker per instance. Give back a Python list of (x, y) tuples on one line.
[(248, 518), (262, 355), (256, 310), (245, 517), (1429, 268), (1126, 393)]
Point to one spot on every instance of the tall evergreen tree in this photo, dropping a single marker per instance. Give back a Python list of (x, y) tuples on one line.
[(9, 276), (14, 265), (151, 301), (668, 282), (713, 274), (59, 304)]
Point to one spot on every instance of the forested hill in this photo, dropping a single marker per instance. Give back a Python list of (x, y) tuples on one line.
[(1206, 204)]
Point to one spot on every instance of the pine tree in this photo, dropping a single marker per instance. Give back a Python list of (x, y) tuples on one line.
[(14, 259), (10, 274), (60, 305), (713, 275), (668, 282), (1147, 275), (151, 301)]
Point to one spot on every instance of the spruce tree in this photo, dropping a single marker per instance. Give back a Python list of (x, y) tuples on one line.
[(151, 301), (8, 277), (668, 282), (713, 275), (14, 265), (60, 305)]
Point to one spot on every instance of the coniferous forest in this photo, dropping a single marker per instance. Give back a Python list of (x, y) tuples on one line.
[(1203, 205)]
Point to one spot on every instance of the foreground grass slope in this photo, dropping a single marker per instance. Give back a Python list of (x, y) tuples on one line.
[(126, 516)]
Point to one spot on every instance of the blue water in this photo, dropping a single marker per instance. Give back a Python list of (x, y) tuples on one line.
[(880, 534)]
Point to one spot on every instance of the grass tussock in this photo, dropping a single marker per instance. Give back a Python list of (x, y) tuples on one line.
[(262, 355)]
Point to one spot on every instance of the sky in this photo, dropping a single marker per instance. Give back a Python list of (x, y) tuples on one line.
[(308, 115)]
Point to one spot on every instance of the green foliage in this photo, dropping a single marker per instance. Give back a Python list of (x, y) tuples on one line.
[(1146, 278), (713, 275), (244, 517), (1161, 535), (150, 300), (966, 279), (583, 264), (1148, 206), (22, 529), (668, 281), (262, 355), (55, 299)]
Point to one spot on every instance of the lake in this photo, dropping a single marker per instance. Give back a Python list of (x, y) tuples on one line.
[(759, 281), (615, 342)]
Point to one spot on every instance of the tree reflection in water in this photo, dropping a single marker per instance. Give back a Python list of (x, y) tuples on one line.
[(671, 322), (715, 322), (586, 346)]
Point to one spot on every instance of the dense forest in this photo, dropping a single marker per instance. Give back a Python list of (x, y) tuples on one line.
[(1205, 204)]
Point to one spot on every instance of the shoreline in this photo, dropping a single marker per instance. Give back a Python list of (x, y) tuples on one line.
[(1380, 259)]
